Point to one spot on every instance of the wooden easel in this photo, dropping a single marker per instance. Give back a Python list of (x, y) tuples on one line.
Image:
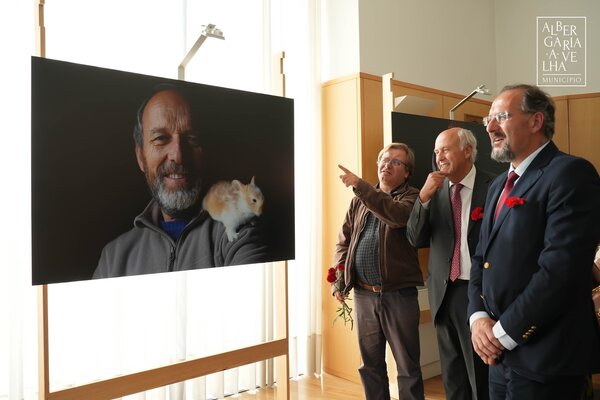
[(181, 371)]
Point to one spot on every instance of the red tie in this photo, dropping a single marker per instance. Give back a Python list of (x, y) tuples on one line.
[(510, 182), (456, 213)]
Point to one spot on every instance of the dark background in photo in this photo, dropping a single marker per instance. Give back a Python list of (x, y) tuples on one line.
[(86, 184)]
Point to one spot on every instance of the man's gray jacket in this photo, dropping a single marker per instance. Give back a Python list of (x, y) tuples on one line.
[(434, 228), (203, 243)]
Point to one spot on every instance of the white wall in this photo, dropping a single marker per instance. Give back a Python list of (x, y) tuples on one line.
[(339, 39), (516, 40), (447, 45), (453, 46)]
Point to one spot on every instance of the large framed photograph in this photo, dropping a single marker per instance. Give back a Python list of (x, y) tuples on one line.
[(135, 174)]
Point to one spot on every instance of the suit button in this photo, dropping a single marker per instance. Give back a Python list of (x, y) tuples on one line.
[(486, 265)]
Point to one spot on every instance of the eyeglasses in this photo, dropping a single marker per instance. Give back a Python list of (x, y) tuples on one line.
[(393, 161), (499, 117)]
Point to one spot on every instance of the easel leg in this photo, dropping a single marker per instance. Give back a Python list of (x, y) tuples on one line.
[(43, 363), (282, 362)]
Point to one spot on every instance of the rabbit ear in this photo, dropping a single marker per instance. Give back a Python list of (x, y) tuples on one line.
[(236, 184), (252, 181)]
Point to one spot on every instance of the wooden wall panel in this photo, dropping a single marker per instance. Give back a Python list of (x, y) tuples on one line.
[(584, 120), (341, 145), (372, 127), (561, 125)]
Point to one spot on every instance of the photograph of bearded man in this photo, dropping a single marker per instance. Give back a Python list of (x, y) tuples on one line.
[(174, 233)]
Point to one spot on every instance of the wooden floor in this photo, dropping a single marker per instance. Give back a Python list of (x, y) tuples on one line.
[(329, 387)]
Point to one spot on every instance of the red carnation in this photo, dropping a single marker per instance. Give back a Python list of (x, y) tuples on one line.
[(514, 201), (331, 277), (335, 276), (477, 213)]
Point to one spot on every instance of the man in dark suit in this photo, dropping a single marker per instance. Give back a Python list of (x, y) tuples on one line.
[(431, 224), (530, 309)]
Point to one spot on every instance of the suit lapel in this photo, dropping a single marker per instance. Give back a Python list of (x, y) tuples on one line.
[(446, 204), (524, 184), (478, 197), (521, 187), (494, 193)]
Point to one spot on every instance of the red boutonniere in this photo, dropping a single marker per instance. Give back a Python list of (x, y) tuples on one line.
[(514, 201), (477, 213), (335, 276)]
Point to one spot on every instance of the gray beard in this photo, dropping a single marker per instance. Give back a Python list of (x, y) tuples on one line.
[(504, 154), (175, 202)]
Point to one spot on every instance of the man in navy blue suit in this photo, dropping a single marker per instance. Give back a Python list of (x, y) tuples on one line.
[(530, 307)]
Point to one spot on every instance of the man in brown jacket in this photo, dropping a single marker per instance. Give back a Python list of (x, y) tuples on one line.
[(383, 269)]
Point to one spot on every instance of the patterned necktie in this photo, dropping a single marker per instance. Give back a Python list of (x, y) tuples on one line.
[(456, 213), (510, 182)]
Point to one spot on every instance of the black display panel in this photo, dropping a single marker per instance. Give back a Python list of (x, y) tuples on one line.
[(420, 132)]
